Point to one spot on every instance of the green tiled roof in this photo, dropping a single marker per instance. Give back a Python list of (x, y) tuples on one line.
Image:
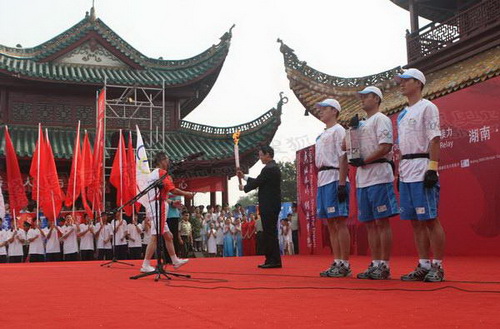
[(215, 142), (36, 63)]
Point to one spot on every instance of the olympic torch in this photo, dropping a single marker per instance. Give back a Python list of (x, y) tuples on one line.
[(236, 139)]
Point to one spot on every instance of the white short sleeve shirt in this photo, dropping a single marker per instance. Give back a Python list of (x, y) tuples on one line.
[(86, 240), (36, 246), (374, 131), (3, 238), (16, 246), (417, 126), (53, 244), (328, 152), (120, 232), (70, 244), (135, 235)]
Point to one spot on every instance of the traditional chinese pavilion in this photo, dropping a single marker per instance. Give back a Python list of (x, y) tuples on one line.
[(459, 51), (55, 83)]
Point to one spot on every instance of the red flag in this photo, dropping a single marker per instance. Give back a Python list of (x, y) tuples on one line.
[(86, 176), (119, 177), (52, 204), (74, 183), (95, 190), (15, 186), (37, 168), (131, 171)]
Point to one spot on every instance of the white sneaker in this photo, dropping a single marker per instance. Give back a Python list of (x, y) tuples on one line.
[(180, 263), (147, 268)]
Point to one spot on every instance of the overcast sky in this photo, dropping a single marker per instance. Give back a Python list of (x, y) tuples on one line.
[(343, 38)]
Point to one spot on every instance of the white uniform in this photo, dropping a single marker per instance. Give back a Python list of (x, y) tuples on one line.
[(104, 234), (328, 152), (3, 238), (53, 244), (120, 232), (86, 240), (211, 242), (417, 126), (135, 235), (36, 246), (70, 244), (372, 132), (16, 246)]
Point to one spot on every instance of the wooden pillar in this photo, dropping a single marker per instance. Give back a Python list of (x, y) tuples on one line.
[(225, 193), (413, 8), (213, 198)]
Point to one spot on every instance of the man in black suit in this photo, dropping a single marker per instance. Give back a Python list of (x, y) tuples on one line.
[(269, 184)]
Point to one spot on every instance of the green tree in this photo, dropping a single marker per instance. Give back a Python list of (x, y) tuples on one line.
[(248, 200), (288, 181)]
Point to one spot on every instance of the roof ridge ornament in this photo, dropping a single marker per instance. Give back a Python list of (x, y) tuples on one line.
[(228, 35), (92, 13)]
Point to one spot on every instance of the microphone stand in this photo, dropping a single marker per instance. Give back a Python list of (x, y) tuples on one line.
[(159, 271)]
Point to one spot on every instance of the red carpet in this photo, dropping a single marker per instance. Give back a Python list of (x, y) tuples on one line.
[(233, 293)]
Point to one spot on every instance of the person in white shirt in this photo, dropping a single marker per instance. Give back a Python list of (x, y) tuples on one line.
[(376, 199), (287, 236), (36, 248), (119, 226), (333, 189), (69, 238), (133, 233), (3, 243), (294, 225), (52, 233), (16, 239), (219, 237), (86, 236), (104, 234), (419, 136), (211, 240)]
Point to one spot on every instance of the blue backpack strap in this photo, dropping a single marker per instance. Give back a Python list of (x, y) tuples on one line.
[(400, 117)]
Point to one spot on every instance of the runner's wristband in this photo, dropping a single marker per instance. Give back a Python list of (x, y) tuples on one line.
[(433, 165)]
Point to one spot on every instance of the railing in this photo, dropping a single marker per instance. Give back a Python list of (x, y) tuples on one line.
[(436, 36), (227, 130)]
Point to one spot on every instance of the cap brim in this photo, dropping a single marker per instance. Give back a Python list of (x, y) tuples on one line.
[(321, 104), (400, 77)]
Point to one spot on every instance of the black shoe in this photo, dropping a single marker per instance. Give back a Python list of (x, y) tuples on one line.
[(261, 265), (270, 266)]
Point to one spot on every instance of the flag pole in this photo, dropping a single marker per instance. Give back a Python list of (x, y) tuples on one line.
[(120, 164), (38, 174), (75, 168)]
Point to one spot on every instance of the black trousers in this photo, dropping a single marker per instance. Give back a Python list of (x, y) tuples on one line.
[(135, 252), (36, 258), (104, 254), (173, 225), (71, 257), (87, 254), (121, 251), (259, 244), (53, 257), (270, 236), (295, 239), (15, 259), (3, 259)]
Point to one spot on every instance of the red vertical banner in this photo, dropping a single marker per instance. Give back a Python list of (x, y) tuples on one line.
[(310, 228), (95, 189)]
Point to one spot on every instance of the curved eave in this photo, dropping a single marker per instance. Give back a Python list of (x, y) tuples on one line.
[(437, 10), (77, 32), (311, 86), (95, 75), (310, 91)]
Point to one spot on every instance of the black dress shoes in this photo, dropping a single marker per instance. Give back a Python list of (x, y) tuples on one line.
[(270, 266)]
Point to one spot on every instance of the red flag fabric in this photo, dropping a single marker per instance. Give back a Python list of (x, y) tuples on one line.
[(52, 204), (15, 186), (119, 177), (74, 182), (131, 171), (95, 189), (37, 168), (86, 172)]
